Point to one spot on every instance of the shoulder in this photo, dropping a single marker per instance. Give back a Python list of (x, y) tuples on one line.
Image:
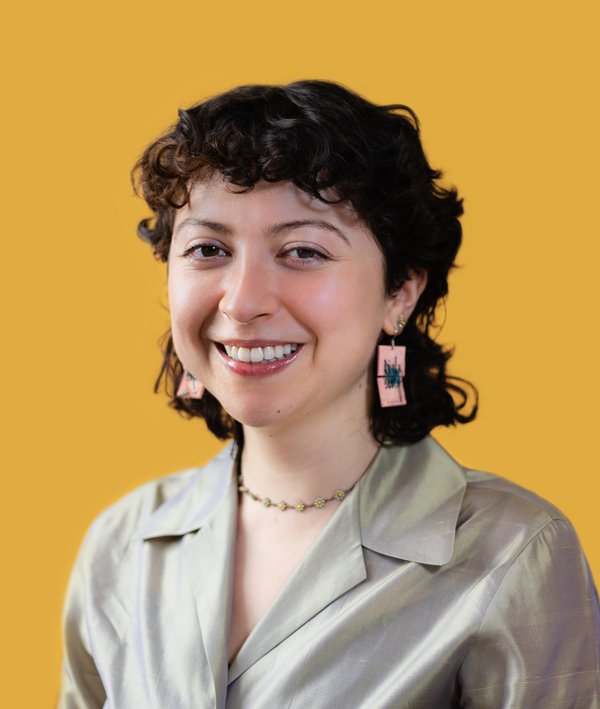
[(419, 504), (499, 502), (169, 500), (502, 525), (539, 615), (490, 519), (502, 497), (497, 488)]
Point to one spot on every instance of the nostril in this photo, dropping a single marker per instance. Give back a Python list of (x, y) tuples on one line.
[(246, 316), (247, 295)]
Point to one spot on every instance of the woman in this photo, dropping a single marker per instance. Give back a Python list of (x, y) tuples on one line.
[(335, 555)]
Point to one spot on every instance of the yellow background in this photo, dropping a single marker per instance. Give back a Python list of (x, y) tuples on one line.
[(505, 92)]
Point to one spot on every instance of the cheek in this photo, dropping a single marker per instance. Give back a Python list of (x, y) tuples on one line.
[(188, 309), (351, 306), (322, 301)]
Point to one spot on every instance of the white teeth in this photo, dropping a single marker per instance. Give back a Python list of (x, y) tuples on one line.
[(259, 354)]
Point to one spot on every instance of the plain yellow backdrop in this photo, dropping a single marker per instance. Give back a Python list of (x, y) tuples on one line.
[(506, 96)]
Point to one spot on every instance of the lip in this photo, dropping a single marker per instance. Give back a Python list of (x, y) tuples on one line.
[(249, 369)]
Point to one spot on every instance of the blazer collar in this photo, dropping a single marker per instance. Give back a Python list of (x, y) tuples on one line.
[(410, 499)]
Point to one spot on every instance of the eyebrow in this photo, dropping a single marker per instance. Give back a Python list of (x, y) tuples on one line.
[(278, 229), (273, 230), (193, 221)]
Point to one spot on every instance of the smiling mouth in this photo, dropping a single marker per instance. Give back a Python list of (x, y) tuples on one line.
[(256, 355)]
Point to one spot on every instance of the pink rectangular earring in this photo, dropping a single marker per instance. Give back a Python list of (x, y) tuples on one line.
[(391, 368), (189, 387)]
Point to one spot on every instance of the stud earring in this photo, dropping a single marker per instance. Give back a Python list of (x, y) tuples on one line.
[(399, 327), (391, 368), (189, 387)]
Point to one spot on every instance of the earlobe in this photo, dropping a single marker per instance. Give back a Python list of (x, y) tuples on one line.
[(402, 302)]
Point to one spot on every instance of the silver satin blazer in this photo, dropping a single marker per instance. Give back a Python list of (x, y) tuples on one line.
[(431, 587)]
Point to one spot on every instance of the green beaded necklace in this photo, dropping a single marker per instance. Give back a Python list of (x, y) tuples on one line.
[(300, 506)]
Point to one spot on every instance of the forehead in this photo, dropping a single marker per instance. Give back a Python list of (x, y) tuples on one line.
[(266, 202)]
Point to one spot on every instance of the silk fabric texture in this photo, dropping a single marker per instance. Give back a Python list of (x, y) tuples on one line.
[(432, 586)]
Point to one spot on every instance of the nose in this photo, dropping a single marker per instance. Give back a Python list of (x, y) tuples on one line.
[(248, 291)]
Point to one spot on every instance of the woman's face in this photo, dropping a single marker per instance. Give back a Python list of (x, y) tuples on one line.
[(277, 301)]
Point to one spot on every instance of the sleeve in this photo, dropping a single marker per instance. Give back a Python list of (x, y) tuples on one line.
[(81, 686), (538, 645)]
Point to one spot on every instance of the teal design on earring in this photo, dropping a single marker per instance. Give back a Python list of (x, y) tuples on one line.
[(392, 375)]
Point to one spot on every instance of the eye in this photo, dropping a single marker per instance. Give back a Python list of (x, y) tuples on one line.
[(306, 254), (204, 252)]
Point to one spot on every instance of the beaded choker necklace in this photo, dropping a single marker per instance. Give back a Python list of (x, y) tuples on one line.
[(300, 506)]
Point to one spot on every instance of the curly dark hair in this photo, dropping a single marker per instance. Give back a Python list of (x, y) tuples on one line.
[(327, 140)]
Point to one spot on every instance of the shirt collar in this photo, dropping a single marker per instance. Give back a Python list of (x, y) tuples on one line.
[(195, 503), (409, 502), (410, 499)]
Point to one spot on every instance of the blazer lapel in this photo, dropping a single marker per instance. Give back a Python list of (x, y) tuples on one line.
[(335, 563)]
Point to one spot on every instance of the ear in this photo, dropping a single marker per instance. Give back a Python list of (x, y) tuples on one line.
[(403, 301)]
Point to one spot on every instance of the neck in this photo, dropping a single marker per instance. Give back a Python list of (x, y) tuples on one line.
[(307, 461)]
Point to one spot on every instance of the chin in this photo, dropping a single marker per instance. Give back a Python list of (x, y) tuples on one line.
[(258, 415)]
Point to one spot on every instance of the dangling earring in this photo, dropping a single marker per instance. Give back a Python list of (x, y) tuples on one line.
[(391, 368), (189, 387)]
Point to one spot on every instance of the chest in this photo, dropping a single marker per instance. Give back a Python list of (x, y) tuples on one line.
[(265, 557), (382, 642), (341, 621)]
